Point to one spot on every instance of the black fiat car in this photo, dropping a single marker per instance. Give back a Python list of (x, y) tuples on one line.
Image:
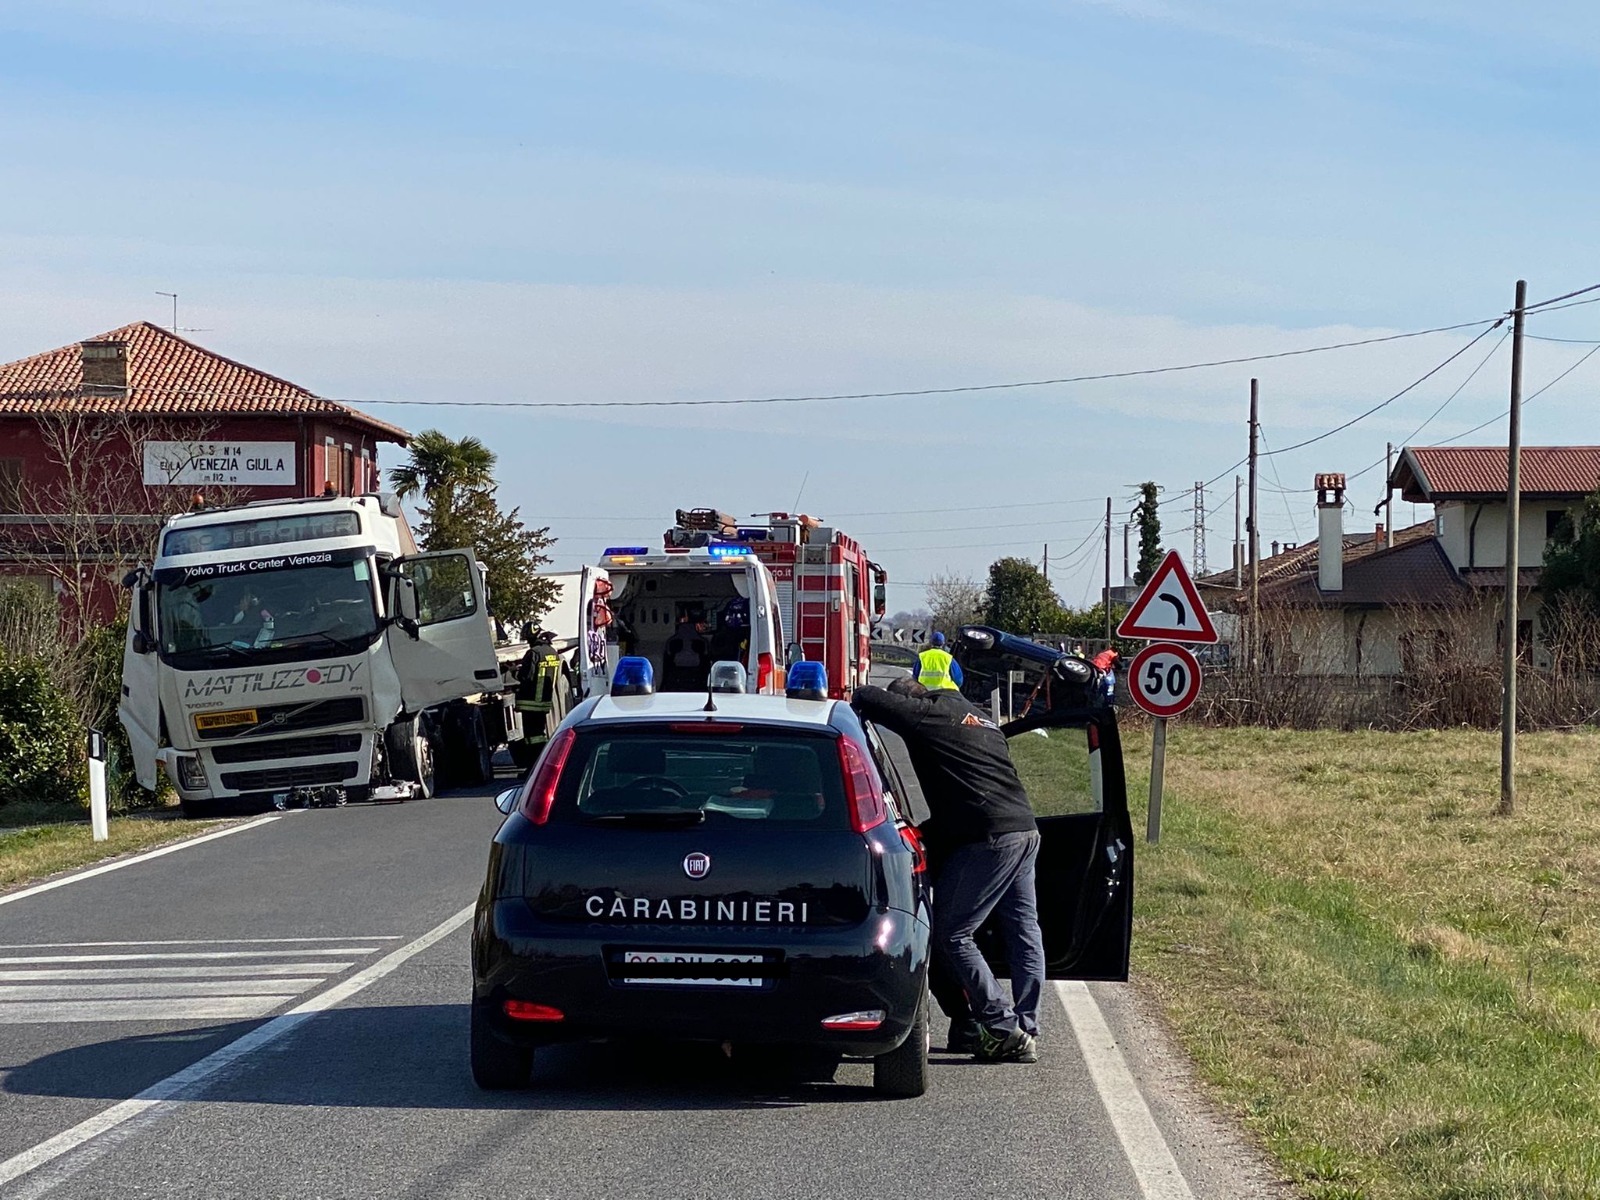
[(741, 869)]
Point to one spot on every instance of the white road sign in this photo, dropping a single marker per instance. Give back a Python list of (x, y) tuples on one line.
[(191, 463), (1169, 609), (1164, 679)]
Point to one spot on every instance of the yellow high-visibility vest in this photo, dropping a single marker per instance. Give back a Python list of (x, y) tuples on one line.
[(934, 670)]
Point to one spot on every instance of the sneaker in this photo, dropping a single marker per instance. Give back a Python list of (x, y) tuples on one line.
[(1018, 1046), (965, 1037)]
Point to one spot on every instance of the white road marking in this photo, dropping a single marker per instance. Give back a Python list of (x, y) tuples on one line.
[(85, 958), (175, 1088), (382, 937), (1148, 1153), (212, 1008), (90, 974), (51, 885), (279, 986)]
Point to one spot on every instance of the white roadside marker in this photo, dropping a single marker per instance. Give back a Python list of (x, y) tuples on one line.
[(1148, 1153), (51, 885), (175, 1087)]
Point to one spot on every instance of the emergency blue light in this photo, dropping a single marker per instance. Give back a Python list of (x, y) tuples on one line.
[(726, 550), (807, 681), (754, 535), (728, 676), (610, 550), (634, 676)]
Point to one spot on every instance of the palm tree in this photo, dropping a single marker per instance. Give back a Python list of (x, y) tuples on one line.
[(442, 469)]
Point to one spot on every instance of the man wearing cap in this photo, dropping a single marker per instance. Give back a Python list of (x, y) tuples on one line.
[(937, 669), (983, 844)]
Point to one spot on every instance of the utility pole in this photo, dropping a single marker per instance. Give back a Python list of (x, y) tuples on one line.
[(1254, 530), (1238, 539), (1508, 668), (1108, 569), (1047, 562), (1388, 497)]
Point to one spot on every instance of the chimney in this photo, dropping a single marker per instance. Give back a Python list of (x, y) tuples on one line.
[(1377, 538), (1330, 532), (105, 367)]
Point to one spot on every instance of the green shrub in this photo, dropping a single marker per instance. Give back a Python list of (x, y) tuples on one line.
[(41, 739)]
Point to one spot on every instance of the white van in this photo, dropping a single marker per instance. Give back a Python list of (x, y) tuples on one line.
[(683, 610)]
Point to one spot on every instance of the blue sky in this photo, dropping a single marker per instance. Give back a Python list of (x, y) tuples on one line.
[(685, 200)]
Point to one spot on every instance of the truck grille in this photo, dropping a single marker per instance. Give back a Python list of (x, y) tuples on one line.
[(281, 718), (288, 777), (300, 747)]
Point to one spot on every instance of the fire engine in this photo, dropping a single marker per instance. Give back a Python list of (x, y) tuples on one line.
[(829, 592)]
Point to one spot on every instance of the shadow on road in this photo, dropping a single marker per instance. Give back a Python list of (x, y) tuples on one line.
[(416, 1057)]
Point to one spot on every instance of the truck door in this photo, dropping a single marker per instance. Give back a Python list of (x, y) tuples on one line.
[(594, 621), (139, 708), (442, 648), (766, 665)]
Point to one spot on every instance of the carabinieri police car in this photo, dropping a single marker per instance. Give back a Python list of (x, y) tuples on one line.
[(740, 868)]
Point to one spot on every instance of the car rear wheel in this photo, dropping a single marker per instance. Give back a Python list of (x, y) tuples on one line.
[(496, 1065), (903, 1072)]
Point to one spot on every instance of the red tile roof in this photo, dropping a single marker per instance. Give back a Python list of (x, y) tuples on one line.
[(1428, 474), (167, 376), (1293, 563)]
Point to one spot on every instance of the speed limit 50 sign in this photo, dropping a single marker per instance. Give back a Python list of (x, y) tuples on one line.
[(1164, 679)]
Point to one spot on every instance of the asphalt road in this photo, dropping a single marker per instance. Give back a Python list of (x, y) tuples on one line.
[(366, 1092)]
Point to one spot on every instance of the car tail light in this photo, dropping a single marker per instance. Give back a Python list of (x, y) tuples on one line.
[(862, 1021), (541, 793), (523, 1010), (706, 727), (913, 839), (763, 671), (867, 809)]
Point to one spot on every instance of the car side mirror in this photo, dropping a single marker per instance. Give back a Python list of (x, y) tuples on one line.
[(506, 801), (795, 653), (405, 604), (141, 643)]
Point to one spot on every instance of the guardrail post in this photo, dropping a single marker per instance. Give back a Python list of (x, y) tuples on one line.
[(97, 785)]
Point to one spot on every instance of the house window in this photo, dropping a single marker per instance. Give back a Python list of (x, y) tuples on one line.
[(347, 471), (330, 463), (367, 483), (1553, 519), (1524, 638), (1422, 649), (10, 485)]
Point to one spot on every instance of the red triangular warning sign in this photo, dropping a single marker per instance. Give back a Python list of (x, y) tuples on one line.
[(1168, 608)]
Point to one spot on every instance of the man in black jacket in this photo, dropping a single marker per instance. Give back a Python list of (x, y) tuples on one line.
[(982, 835)]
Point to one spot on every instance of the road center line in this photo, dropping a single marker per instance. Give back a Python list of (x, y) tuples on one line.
[(50, 886), (381, 937), (1142, 1141), (176, 1087), (16, 960)]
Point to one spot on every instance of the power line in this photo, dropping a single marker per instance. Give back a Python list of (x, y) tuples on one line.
[(1340, 428), (988, 525), (1527, 308), (1500, 416), (1289, 512), (884, 512)]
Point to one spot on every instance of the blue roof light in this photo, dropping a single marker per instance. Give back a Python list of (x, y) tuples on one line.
[(727, 550), (807, 681), (634, 676), (610, 550)]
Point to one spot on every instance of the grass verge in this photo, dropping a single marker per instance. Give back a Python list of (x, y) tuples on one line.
[(1397, 990), (29, 852)]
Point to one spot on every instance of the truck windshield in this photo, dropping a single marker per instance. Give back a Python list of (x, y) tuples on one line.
[(281, 615)]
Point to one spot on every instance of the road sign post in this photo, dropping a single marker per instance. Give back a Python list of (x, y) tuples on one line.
[(1164, 679), (97, 786), (1158, 770)]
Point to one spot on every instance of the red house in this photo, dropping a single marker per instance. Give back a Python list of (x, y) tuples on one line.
[(103, 439)]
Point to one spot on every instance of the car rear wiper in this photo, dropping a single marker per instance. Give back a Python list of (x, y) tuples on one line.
[(664, 818)]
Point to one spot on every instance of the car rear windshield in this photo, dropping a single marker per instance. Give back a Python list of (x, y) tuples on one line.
[(668, 778)]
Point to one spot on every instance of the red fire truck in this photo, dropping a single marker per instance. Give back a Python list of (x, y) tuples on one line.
[(828, 591)]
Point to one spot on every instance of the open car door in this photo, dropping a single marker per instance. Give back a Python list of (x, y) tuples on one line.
[(1085, 870), (442, 649), (139, 708)]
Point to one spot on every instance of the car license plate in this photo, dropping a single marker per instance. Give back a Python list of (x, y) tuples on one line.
[(673, 956), (225, 720)]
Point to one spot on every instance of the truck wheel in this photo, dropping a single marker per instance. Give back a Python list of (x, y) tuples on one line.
[(525, 753), (411, 754), (903, 1072), (471, 756)]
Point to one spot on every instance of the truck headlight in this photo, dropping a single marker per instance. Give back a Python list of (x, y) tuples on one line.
[(191, 774)]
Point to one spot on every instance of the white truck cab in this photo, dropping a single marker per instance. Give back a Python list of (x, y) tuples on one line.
[(681, 609), (305, 646)]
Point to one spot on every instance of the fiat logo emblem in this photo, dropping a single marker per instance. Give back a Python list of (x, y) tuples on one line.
[(697, 865)]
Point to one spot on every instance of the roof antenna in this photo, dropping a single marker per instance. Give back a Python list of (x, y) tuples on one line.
[(795, 507), (711, 702)]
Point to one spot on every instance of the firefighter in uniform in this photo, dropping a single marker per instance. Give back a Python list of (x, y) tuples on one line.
[(937, 669)]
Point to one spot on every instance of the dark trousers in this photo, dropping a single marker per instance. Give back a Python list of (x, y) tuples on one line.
[(974, 880)]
